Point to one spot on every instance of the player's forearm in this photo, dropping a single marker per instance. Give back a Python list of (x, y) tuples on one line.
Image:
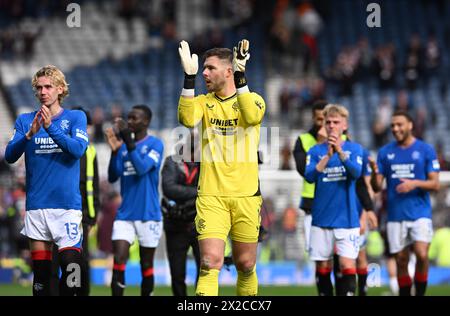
[(189, 112), (322, 164), (427, 185), (363, 194), (142, 165), (74, 146), (353, 168), (15, 149), (375, 182), (252, 109), (313, 170), (113, 169)]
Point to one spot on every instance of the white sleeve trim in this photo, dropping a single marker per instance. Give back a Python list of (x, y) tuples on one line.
[(188, 92), (242, 90)]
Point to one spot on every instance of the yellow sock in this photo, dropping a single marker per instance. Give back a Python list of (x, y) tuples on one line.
[(208, 283), (247, 283)]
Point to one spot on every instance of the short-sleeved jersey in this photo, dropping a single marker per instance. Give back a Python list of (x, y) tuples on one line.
[(230, 132), (52, 159), (139, 175), (334, 204), (366, 171), (413, 162)]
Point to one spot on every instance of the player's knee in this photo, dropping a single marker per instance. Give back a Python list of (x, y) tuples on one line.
[(245, 265), (402, 260), (211, 261), (422, 256), (69, 256)]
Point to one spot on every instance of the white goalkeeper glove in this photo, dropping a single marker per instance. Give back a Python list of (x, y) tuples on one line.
[(189, 62), (241, 55)]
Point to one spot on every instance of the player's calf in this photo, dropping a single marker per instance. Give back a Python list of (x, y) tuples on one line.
[(118, 279), (323, 281), (148, 280), (42, 270), (70, 263)]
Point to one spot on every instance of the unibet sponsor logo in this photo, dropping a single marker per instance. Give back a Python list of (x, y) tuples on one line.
[(223, 123), (224, 127), (43, 140), (402, 171)]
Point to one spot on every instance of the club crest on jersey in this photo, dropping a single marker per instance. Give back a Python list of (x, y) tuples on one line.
[(258, 104), (390, 156), (415, 155), (209, 106), (64, 125), (201, 224), (144, 149), (235, 106)]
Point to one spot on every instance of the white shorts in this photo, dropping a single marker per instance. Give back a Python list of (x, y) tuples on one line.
[(404, 233), (324, 240), (307, 229), (63, 227), (148, 232), (363, 239)]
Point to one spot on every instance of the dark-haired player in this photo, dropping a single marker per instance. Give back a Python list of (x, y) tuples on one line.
[(411, 169), (136, 161)]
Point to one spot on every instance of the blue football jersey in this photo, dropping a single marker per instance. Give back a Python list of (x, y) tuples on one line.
[(413, 162), (139, 179), (52, 159), (334, 204)]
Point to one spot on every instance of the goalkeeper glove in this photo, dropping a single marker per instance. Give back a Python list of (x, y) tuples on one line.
[(190, 64), (240, 56), (125, 134)]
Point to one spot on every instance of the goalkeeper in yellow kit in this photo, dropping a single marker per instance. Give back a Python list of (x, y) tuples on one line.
[(229, 198)]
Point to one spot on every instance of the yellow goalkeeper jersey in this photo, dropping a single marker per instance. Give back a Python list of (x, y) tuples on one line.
[(230, 133)]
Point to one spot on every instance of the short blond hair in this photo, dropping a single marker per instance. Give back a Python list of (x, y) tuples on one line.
[(56, 76), (336, 109)]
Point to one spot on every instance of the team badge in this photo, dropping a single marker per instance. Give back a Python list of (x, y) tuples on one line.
[(235, 106), (415, 155), (390, 156), (64, 125)]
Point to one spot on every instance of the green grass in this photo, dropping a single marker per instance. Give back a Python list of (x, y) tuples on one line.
[(19, 290)]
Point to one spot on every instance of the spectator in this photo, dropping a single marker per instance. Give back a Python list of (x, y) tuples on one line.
[(432, 57), (385, 66)]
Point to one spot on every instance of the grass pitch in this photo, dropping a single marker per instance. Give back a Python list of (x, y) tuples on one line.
[(20, 290)]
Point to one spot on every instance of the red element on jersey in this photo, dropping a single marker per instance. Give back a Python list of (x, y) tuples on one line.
[(361, 271), (119, 267), (421, 277), (189, 176), (349, 271), (324, 271), (70, 248), (147, 272), (404, 281), (41, 255)]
